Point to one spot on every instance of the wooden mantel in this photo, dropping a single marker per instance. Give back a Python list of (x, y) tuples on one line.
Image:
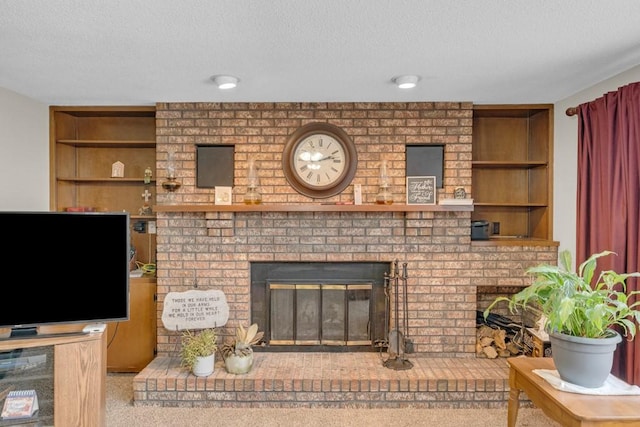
[(310, 207)]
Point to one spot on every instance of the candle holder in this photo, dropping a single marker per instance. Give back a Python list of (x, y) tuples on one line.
[(171, 184), (384, 196), (252, 196)]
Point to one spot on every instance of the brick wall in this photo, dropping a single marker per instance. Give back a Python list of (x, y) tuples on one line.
[(214, 250)]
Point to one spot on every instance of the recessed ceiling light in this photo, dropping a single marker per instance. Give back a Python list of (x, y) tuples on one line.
[(225, 82), (406, 82)]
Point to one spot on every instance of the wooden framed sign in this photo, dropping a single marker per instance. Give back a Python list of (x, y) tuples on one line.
[(421, 190)]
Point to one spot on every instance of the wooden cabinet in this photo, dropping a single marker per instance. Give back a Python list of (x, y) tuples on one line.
[(512, 170), (79, 376), (85, 143), (132, 343)]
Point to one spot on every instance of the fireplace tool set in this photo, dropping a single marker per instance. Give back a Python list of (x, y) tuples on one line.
[(397, 339)]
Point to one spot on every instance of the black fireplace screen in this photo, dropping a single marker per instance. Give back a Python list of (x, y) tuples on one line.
[(320, 314), (320, 306)]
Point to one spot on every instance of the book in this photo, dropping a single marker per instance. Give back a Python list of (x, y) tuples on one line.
[(454, 202), (20, 404)]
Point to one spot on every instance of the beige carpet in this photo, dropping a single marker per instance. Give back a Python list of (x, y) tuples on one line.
[(122, 413)]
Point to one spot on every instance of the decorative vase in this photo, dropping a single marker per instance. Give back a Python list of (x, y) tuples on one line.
[(204, 366), (583, 361), (238, 364)]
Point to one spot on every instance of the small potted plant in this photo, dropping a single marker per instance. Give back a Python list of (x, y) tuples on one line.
[(580, 313), (237, 352), (198, 350)]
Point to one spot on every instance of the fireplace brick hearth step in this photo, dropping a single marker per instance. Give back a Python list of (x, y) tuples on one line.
[(328, 380)]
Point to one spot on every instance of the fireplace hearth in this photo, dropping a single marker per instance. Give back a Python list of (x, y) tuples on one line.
[(318, 306)]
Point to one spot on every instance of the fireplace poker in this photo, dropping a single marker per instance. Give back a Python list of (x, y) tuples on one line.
[(387, 307), (396, 339), (408, 343)]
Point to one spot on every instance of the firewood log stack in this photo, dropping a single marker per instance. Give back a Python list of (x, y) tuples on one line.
[(493, 342)]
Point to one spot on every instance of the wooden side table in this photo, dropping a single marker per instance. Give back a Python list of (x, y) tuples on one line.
[(569, 409)]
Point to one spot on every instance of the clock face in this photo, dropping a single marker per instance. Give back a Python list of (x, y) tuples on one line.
[(319, 160)]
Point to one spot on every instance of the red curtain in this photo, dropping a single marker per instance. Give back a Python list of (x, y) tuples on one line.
[(608, 200)]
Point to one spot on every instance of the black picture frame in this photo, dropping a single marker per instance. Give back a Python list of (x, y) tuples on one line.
[(214, 166), (425, 160)]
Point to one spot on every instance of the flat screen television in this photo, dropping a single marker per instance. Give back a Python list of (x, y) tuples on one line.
[(63, 267)]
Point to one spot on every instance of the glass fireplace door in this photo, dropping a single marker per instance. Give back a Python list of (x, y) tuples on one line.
[(320, 314)]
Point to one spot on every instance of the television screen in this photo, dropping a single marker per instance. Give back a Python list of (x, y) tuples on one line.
[(64, 267)]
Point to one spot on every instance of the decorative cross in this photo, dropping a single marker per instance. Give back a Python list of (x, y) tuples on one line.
[(146, 196)]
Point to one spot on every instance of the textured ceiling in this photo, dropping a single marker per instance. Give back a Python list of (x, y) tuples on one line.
[(139, 52)]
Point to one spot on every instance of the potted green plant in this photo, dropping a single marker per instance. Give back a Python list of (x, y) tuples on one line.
[(237, 352), (198, 350), (580, 313)]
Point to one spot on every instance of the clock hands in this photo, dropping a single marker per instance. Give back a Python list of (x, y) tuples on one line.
[(311, 157)]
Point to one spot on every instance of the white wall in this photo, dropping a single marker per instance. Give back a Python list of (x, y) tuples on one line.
[(24, 153), (565, 180)]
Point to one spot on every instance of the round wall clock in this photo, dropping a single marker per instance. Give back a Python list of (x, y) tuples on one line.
[(319, 160)]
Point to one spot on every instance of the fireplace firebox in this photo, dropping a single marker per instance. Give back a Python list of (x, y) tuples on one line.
[(318, 306)]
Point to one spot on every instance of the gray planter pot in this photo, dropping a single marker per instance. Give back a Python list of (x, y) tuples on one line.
[(582, 361), (238, 364)]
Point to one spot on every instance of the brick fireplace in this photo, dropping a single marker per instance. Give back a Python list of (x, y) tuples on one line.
[(450, 277)]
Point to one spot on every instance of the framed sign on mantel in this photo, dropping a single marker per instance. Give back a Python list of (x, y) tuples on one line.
[(421, 190)]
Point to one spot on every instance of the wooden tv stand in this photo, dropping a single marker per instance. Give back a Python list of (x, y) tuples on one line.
[(79, 373)]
